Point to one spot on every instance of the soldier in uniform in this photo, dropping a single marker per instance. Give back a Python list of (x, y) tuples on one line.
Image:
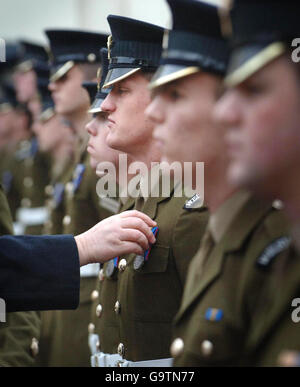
[(33, 165), (260, 109), (57, 139), (139, 295), (76, 58), (224, 278), (19, 334)]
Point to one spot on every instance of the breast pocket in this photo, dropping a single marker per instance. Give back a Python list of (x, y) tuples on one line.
[(155, 287)]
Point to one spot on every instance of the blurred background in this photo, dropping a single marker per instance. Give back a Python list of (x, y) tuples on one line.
[(27, 19)]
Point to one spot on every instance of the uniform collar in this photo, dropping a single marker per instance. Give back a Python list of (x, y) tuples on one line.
[(221, 220)]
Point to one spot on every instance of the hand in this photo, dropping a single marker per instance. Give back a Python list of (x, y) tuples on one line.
[(128, 232)]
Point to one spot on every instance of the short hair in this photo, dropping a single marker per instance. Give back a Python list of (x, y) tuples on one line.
[(89, 70)]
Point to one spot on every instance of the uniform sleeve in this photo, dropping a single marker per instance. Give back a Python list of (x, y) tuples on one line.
[(39, 272)]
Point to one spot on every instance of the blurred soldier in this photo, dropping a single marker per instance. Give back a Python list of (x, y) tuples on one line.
[(15, 121), (57, 139), (19, 334), (261, 111), (33, 166), (76, 58), (139, 295), (224, 280)]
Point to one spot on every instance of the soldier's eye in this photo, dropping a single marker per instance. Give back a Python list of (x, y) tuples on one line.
[(174, 94)]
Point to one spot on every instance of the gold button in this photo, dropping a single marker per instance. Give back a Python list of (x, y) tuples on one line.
[(121, 349), (117, 307), (101, 275), (177, 347), (25, 202), (277, 204), (67, 220), (207, 347), (122, 264), (99, 310), (91, 328), (34, 347), (94, 295), (49, 190), (28, 182)]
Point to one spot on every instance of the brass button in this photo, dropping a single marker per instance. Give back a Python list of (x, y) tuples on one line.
[(121, 349), (49, 190), (101, 275), (25, 202), (28, 182), (94, 295), (117, 307), (34, 347), (91, 328), (277, 204), (207, 347), (177, 347), (122, 264), (67, 220), (99, 310)]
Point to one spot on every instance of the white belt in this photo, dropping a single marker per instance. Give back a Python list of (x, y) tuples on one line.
[(101, 359), (32, 216), (91, 270)]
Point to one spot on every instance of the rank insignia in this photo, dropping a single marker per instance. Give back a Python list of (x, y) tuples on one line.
[(195, 202), (271, 251)]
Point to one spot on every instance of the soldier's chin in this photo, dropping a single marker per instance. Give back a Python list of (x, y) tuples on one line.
[(241, 175)]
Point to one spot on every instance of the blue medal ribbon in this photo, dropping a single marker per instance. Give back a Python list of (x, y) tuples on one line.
[(78, 176)]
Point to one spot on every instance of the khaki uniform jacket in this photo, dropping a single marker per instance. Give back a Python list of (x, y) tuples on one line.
[(137, 306), (30, 173), (221, 293), (69, 343), (20, 332)]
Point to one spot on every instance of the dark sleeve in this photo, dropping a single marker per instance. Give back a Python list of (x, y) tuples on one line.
[(39, 272)]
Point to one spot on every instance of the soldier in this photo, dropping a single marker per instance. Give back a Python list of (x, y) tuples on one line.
[(139, 295), (57, 139), (261, 111), (224, 279), (76, 58), (32, 169)]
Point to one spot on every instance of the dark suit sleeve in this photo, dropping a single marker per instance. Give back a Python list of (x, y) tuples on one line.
[(39, 272)]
